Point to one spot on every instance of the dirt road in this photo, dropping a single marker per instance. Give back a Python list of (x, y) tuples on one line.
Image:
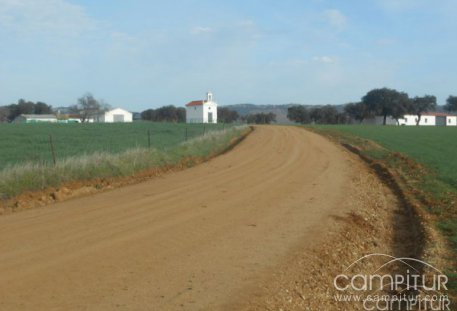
[(201, 239)]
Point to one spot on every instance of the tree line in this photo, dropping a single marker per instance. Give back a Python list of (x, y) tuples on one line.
[(224, 115), (178, 114), (260, 118), (382, 102), (327, 114), (87, 107), (165, 114), (10, 112)]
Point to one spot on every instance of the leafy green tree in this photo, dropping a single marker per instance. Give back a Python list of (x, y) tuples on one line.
[(181, 114), (320, 115), (387, 102), (261, 118), (342, 118), (168, 114), (325, 115), (23, 107), (299, 114), (357, 111), (419, 105), (226, 115), (451, 103), (148, 115), (27, 107), (42, 108), (165, 114), (4, 114)]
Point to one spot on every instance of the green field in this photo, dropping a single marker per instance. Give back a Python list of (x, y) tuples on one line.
[(435, 147), (21, 143), (87, 152)]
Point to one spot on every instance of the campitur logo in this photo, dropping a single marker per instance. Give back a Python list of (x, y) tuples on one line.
[(393, 284)]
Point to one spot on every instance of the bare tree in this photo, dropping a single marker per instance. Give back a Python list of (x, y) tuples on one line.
[(88, 107)]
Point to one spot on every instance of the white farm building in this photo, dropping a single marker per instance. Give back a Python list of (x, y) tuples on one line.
[(430, 119), (115, 116), (35, 118), (427, 119), (202, 111)]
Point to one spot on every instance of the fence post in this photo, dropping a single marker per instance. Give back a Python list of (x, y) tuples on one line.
[(51, 143), (204, 129), (186, 133), (149, 139)]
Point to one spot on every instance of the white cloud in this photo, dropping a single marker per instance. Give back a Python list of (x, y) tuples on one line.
[(54, 17), (200, 30), (324, 59), (336, 19)]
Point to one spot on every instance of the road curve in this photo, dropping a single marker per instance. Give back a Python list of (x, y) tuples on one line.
[(199, 239)]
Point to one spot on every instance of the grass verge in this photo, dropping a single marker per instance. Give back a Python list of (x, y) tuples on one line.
[(29, 177), (420, 170)]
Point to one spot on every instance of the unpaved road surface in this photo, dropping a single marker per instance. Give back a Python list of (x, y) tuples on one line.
[(206, 238)]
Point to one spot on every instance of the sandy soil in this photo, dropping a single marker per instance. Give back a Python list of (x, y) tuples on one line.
[(212, 237)]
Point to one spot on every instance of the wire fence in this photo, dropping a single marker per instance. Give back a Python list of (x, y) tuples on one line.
[(48, 143)]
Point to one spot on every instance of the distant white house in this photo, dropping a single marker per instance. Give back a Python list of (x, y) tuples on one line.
[(427, 119), (202, 111), (430, 119), (114, 116), (35, 118)]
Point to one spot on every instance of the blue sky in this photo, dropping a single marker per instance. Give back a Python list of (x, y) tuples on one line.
[(140, 54)]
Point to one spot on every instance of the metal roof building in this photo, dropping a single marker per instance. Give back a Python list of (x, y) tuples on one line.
[(35, 118)]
